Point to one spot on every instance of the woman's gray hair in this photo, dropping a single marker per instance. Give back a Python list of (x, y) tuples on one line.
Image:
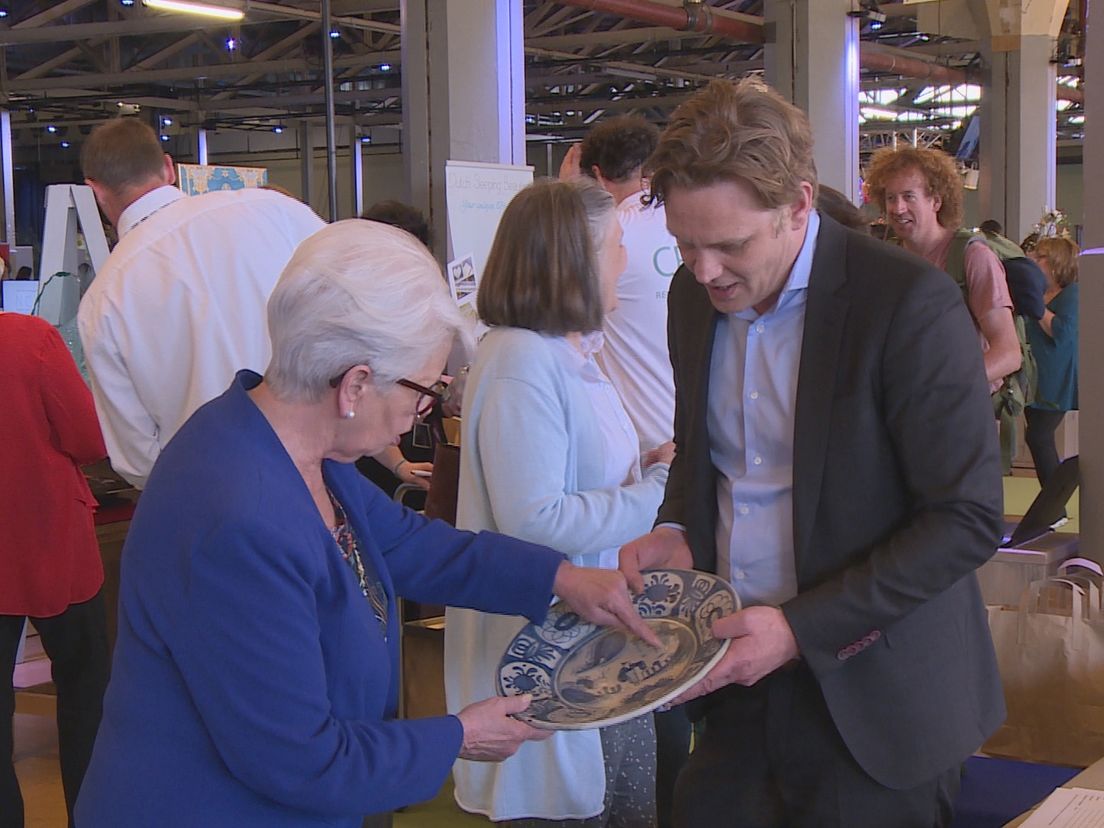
[(357, 292), (600, 209)]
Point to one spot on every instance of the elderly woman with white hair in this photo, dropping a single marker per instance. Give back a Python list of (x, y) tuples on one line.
[(256, 671)]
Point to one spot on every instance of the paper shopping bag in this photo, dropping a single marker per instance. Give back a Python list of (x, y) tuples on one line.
[(1050, 650)]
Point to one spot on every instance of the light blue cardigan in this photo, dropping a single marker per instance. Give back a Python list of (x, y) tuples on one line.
[(532, 459)]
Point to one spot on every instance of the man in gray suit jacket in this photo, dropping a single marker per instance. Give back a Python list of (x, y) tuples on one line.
[(837, 462)]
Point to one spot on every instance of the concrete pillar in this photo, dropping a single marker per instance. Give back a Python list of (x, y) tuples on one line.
[(7, 177), (1018, 132), (356, 167), (1091, 381), (812, 58), (415, 106), (306, 162), (463, 93)]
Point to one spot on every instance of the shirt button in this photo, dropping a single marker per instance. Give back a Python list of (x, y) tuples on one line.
[(758, 460), (744, 509), (759, 327), (739, 575), (754, 395)]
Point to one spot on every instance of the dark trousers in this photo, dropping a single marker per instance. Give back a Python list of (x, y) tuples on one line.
[(76, 642), (1041, 425), (672, 750), (628, 752), (771, 757)]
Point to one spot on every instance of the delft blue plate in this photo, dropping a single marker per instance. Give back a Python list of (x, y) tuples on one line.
[(583, 676)]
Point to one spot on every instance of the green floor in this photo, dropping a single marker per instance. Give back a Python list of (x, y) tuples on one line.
[(440, 812), (1019, 491)]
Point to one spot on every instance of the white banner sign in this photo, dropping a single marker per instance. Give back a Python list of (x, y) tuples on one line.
[(476, 196)]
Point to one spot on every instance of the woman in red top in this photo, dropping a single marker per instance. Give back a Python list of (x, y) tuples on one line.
[(50, 569)]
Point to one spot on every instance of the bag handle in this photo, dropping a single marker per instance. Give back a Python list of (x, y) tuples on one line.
[(1029, 603), (1084, 563), (1096, 608)]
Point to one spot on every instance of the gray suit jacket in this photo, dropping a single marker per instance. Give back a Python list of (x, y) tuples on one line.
[(897, 500)]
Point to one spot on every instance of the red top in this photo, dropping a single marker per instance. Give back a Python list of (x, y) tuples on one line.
[(49, 557)]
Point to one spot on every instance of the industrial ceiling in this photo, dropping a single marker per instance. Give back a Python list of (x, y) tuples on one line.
[(69, 64)]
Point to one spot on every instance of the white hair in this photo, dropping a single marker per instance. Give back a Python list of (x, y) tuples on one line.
[(357, 292)]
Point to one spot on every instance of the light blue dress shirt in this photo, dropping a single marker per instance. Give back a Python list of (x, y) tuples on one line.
[(752, 395)]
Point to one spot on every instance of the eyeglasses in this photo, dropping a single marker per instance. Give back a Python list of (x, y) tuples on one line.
[(428, 429), (428, 397)]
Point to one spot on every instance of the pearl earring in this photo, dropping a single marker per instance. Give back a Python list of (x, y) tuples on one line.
[(348, 415)]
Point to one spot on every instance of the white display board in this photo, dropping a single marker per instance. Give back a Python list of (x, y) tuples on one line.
[(476, 195), (19, 297)]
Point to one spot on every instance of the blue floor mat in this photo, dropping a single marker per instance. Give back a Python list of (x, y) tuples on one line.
[(995, 791)]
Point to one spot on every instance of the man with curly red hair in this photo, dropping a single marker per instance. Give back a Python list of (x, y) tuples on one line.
[(920, 192)]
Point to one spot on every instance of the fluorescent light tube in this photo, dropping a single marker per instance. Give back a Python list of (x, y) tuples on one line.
[(221, 12)]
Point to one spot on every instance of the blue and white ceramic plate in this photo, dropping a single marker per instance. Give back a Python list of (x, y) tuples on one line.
[(583, 676)]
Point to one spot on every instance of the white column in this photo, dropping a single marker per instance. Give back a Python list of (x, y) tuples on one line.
[(1018, 143), (415, 108), (7, 162), (1018, 132), (356, 164), (463, 93), (813, 60), (201, 146), (306, 164), (1091, 380)]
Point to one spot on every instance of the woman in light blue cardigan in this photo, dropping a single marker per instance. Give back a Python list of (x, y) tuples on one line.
[(550, 456)]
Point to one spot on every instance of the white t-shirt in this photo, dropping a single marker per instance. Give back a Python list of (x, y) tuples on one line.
[(635, 354), (179, 307)]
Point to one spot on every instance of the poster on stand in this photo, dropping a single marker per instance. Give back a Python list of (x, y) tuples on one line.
[(476, 194), (462, 279), (194, 179)]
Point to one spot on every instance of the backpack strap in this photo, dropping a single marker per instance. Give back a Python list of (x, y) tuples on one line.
[(1004, 247), (955, 264)]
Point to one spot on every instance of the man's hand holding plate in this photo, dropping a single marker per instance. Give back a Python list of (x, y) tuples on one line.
[(665, 547), (762, 641)]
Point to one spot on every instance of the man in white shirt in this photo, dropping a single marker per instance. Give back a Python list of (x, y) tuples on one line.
[(634, 355), (180, 304)]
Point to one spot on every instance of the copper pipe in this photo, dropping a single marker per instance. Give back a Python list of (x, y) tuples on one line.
[(700, 20), (707, 23)]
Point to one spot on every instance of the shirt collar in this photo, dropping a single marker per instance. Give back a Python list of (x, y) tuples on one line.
[(632, 199), (803, 266), (798, 280), (589, 345), (146, 206)]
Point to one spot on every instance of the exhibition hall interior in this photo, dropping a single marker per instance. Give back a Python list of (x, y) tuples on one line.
[(568, 413)]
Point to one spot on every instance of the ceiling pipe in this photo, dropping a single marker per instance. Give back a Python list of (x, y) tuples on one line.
[(693, 17), (697, 17)]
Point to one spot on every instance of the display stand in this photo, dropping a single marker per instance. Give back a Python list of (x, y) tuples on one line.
[(69, 208)]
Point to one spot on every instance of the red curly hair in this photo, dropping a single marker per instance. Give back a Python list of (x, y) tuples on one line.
[(938, 170)]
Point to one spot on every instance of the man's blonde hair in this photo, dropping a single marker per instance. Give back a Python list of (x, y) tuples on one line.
[(742, 132)]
